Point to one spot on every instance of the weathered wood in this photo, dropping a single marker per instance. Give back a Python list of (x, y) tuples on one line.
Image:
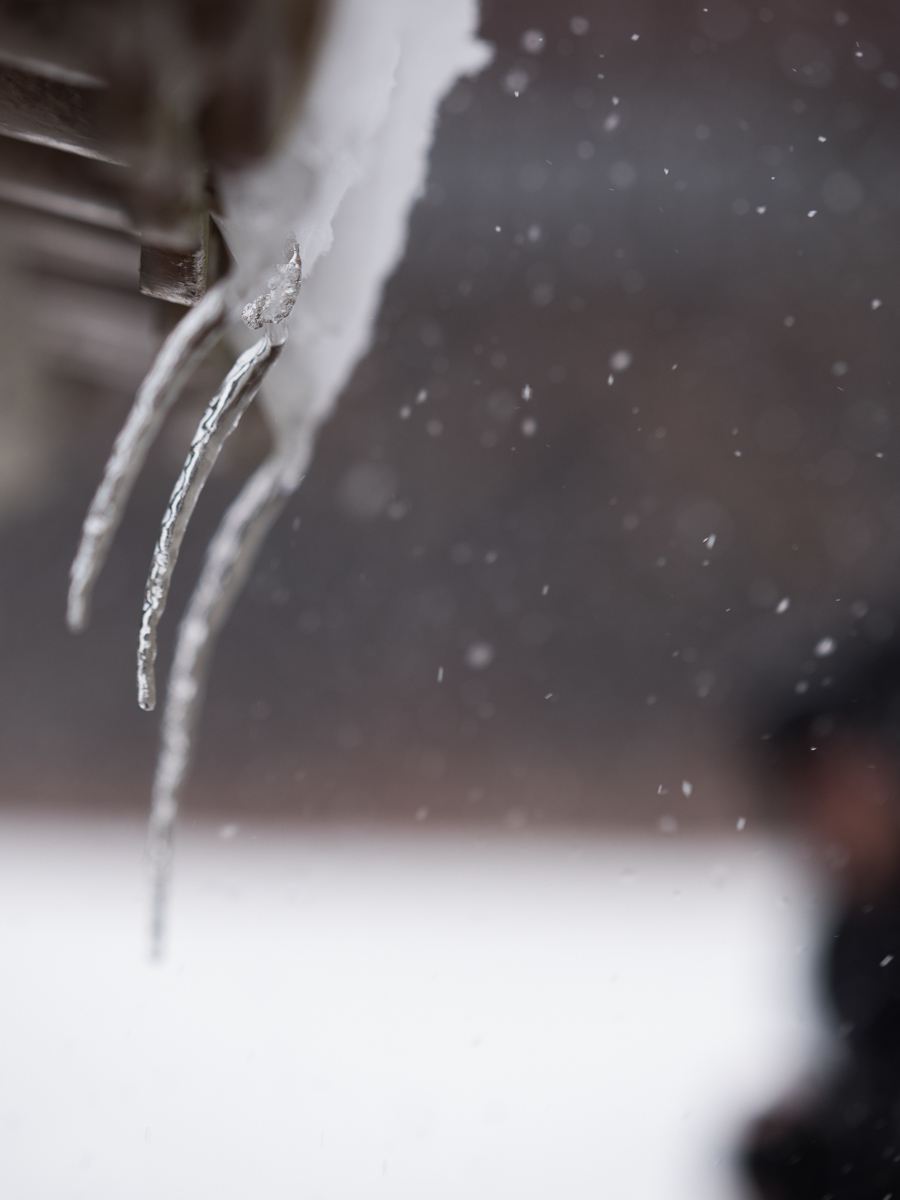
[(50, 112), (183, 276), (153, 97), (65, 185)]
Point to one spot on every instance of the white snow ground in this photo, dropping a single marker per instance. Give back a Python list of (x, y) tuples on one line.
[(349, 1015)]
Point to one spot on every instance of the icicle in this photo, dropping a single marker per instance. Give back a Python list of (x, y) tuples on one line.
[(342, 181), (181, 354), (228, 560), (220, 419)]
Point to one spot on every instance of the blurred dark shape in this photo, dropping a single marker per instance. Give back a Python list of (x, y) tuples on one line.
[(119, 113), (839, 763)]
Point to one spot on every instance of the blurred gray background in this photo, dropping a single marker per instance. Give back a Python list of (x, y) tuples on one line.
[(632, 389)]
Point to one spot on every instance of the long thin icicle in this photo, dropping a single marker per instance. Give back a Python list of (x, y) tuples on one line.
[(220, 419), (228, 561), (184, 348)]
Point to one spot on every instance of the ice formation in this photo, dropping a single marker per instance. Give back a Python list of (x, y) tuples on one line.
[(221, 417), (338, 191)]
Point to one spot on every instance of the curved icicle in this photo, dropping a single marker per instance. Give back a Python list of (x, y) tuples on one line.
[(228, 561), (181, 354), (220, 419)]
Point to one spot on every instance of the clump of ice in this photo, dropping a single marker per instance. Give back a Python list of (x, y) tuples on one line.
[(343, 185), (277, 301)]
